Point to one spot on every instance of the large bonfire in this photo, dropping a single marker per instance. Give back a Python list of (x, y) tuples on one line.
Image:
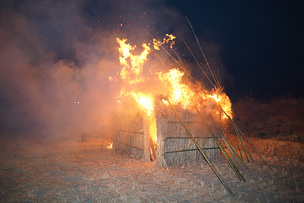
[(173, 85)]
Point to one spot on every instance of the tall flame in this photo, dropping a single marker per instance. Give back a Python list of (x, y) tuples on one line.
[(132, 74), (179, 91), (131, 71)]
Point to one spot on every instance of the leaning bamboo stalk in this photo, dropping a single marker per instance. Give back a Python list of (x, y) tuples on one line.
[(115, 140), (255, 149), (201, 151), (198, 63), (248, 141), (244, 146), (238, 138), (230, 161), (237, 143), (233, 157), (189, 150), (199, 45), (228, 158), (232, 150), (241, 141), (229, 146)]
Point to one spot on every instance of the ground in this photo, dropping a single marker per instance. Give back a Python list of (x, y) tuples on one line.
[(75, 171)]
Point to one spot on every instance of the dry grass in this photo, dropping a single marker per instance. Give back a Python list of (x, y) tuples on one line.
[(281, 118), (79, 172), (71, 171)]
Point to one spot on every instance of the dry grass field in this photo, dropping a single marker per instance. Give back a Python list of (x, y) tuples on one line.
[(33, 170)]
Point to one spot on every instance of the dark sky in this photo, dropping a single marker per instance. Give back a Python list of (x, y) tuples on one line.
[(261, 41)]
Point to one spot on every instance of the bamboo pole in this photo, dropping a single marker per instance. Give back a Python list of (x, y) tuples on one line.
[(198, 63), (187, 150), (199, 45), (229, 146), (241, 141), (230, 161), (237, 143), (247, 140), (255, 149), (127, 145), (201, 151), (232, 150)]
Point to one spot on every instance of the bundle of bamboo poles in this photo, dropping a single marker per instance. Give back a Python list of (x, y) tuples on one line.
[(234, 158)]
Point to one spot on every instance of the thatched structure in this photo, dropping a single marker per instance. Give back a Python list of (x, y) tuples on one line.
[(131, 136), (182, 137), (174, 146)]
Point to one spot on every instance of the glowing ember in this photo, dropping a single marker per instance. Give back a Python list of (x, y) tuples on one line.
[(110, 146), (166, 40)]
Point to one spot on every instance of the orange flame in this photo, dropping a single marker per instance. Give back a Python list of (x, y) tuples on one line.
[(179, 91), (169, 37), (131, 70), (224, 102)]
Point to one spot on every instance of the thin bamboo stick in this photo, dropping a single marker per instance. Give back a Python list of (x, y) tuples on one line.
[(244, 146), (247, 140), (230, 161), (127, 145), (126, 131), (186, 150), (255, 149), (232, 150), (201, 151), (187, 137), (180, 65), (198, 63), (237, 142), (199, 45), (241, 141), (229, 146)]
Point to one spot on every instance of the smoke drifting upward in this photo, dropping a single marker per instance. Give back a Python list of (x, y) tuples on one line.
[(56, 57), (53, 75)]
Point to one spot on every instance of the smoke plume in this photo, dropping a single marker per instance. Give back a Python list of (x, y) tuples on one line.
[(56, 58)]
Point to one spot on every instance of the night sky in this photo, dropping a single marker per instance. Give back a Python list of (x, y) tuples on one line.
[(54, 54), (261, 41)]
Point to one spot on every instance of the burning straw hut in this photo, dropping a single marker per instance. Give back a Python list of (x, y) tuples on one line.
[(183, 125), (163, 138)]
